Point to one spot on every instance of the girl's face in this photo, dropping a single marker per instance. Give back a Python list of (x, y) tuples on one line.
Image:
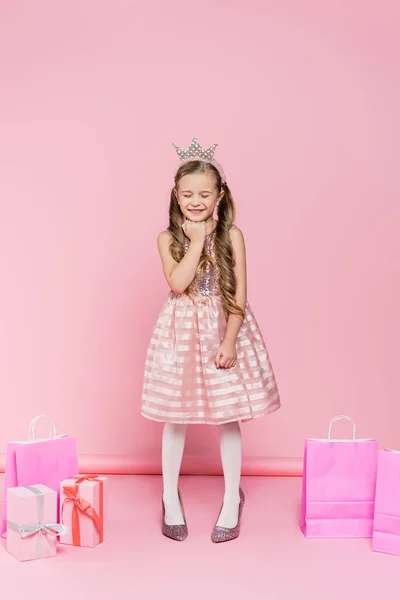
[(197, 195)]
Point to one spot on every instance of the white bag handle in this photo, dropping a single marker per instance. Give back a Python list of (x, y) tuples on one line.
[(31, 433), (338, 418)]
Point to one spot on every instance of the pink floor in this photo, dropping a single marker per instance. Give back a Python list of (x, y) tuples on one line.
[(271, 559)]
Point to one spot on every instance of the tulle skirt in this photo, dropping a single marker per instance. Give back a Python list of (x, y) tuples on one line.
[(181, 382)]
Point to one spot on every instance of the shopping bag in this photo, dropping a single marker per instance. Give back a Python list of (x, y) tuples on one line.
[(338, 487), (34, 461), (386, 530)]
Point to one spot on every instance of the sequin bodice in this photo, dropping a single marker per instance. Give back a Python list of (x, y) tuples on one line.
[(206, 280)]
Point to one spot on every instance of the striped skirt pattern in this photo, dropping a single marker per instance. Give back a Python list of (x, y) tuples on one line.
[(181, 382)]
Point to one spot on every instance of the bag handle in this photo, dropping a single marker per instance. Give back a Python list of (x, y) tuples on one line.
[(338, 418), (31, 432)]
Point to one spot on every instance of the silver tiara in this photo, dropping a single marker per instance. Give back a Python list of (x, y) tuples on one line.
[(195, 151)]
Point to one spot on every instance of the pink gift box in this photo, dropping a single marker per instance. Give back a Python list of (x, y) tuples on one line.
[(386, 531), (83, 501), (32, 527)]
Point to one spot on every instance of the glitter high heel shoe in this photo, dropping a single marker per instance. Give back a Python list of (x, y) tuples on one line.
[(225, 534), (175, 532)]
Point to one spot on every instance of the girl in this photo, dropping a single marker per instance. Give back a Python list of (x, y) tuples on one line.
[(207, 361)]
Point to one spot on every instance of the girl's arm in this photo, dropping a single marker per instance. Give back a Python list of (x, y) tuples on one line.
[(239, 254), (179, 275), (226, 355)]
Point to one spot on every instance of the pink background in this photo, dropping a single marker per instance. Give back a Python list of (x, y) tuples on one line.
[(303, 99)]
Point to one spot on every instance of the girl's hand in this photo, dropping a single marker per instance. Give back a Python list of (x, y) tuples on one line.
[(195, 231), (226, 356)]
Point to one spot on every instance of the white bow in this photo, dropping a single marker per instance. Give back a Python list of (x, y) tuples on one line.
[(45, 528)]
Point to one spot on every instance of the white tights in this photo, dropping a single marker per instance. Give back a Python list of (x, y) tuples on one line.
[(173, 444)]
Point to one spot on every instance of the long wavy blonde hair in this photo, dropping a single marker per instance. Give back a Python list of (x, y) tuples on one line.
[(223, 245)]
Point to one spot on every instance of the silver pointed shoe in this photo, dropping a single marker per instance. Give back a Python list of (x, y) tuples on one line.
[(174, 532), (225, 534)]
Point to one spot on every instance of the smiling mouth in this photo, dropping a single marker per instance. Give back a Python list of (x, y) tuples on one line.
[(196, 211)]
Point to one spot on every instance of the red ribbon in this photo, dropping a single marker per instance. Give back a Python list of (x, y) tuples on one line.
[(71, 492)]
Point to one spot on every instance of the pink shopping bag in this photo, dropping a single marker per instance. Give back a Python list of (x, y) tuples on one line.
[(386, 531), (33, 461), (338, 487)]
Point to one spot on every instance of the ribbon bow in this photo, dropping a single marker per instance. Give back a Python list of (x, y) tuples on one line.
[(83, 506), (43, 528)]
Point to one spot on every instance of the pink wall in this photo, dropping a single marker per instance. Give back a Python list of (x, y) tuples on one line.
[(303, 99)]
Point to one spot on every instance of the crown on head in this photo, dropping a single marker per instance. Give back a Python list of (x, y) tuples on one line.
[(195, 151)]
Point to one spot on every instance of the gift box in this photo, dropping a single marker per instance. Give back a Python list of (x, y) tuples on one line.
[(32, 527), (84, 509), (386, 533)]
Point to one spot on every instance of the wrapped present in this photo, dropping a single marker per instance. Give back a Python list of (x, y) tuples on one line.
[(84, 509), (32, 527), (386, 533), (338, 488)]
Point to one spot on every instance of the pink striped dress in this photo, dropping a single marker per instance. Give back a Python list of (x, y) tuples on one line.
[(181, 382)]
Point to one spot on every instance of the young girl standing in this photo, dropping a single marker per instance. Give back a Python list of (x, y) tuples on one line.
[(207, 362)]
